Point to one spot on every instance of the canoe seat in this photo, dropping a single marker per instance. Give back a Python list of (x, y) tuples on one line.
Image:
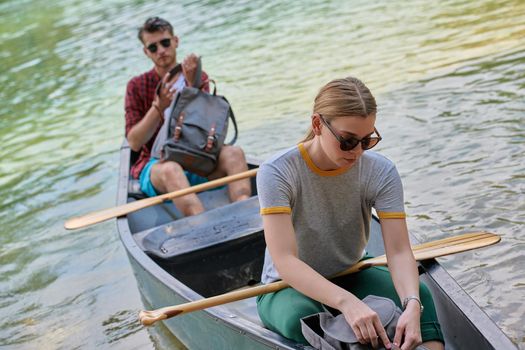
[(213, 252), (214, 226), (161, 214)]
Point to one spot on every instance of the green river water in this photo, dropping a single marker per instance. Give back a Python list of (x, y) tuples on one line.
[(449, 78)]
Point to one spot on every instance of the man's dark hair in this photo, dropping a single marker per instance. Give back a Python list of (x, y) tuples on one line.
[(155, 24)]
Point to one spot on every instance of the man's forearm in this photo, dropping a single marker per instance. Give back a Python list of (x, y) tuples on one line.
[(144, 130)]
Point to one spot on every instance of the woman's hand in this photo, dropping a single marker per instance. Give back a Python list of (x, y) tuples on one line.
[(365, 323), (408, 330)]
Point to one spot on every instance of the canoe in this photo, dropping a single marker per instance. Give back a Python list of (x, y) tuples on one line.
[(177, 260)]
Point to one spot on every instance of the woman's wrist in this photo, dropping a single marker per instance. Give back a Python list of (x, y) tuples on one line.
[(413, 302), (345, 301)]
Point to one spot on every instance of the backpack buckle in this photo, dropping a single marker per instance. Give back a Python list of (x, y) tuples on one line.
[(210, 139), (178, 128)]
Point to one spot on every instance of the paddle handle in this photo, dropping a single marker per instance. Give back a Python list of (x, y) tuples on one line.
[(147, 318), (110, 213), (429, 250)]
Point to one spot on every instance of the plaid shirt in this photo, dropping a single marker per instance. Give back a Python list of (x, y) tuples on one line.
[(140, 93)]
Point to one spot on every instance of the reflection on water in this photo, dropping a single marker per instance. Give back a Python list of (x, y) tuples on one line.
[(121, 325), (449, 80)]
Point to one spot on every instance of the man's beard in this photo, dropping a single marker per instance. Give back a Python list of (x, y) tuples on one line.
[(166, 62)]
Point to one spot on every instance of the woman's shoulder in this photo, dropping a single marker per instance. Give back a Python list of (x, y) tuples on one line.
[(281, 167), (283, 158)]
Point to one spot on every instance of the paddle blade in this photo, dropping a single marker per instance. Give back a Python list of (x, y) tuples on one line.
[(434, 249), (456, 244), (111, 213)]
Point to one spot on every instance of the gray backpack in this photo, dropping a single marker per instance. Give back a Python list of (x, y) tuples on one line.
[(195, 131)]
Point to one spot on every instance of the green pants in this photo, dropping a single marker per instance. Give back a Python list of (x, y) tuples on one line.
[(281, 311)]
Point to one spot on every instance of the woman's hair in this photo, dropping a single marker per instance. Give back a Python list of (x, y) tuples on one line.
[(347, 97), (155, 24)]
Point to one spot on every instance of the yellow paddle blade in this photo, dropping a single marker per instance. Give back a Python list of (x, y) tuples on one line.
[(435, 249), (110, 213)]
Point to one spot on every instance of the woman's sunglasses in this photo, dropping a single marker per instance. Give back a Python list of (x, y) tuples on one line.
[(351, 142), (164, 42)]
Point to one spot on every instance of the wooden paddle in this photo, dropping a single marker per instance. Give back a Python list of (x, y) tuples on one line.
[(110, 213), (423, 251)]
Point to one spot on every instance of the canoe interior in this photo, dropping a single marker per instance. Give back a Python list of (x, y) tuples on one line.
[(215, 252), (222, 250)]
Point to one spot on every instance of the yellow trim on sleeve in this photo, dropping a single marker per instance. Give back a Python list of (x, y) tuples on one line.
[(276, 210), (393, 215)]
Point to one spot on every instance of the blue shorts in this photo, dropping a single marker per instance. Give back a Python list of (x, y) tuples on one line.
[(147, 187)]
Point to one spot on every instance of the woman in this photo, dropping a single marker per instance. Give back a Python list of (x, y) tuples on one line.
[(316, 200)]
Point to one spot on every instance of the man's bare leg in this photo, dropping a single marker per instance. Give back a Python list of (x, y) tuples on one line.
[(168, 177), (232, 161)]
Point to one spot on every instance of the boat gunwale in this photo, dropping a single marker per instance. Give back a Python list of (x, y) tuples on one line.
[(461, 300)]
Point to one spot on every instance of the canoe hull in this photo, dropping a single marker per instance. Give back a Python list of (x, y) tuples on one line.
[(198, 330), (464, 324)]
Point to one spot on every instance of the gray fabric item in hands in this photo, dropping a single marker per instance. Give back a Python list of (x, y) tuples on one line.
[(325, 332)]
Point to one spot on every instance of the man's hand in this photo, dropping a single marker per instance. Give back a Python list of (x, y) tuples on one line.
[(165, 96), (189, 68)]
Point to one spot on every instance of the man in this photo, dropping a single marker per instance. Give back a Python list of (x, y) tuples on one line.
[(145, 115)]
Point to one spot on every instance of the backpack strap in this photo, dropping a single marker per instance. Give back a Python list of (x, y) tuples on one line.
[(198, 75), (208, 81), (198, 83), (232, 117), (173, 72)]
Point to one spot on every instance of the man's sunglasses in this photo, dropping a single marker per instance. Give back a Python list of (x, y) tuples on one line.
[(351, 142), (164, 42)]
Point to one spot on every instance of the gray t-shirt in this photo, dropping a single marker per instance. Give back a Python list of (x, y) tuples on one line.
[(331, 210)]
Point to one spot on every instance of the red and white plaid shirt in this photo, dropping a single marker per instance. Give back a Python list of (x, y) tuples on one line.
[(140, 93)]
